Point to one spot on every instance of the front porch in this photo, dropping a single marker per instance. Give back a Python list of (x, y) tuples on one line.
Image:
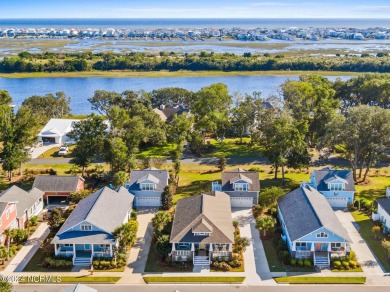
[(82, 252), (201, 254)]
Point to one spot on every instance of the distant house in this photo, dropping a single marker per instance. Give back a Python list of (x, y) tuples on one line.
[(310, 227), (337, 186), (383, 214), (147, 186), (202, 229), (88, 230), (242, 186), (8, 220), (56, 130), (166, 114), (58, 187), (28, 203)]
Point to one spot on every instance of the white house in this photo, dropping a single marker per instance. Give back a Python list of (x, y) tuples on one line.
[(383, 214), (56, 130)]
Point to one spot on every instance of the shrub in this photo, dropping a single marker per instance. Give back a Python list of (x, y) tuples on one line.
[(255, 168), (20, 236), (133, 215), (181, 265), (352, 264), (345, 264), (337, 264), (57, 262), (293, 262), (19, 247), (235, 223), (285, 256), (300, 263), (235, 263), (34, 220), (307, 263), (352, 255)]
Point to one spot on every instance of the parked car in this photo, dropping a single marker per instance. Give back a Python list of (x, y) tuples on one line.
[(29, 149), (63, 151)]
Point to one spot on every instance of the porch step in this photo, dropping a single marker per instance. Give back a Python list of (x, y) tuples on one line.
[(82, 261), (201, 261), (321, 261)]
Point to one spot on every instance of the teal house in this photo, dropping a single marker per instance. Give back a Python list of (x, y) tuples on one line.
[(336, 185), (311, 230)]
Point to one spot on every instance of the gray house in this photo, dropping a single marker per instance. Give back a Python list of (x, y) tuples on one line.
[(202, 229), (147, 186), (87, 233), (242, 186)]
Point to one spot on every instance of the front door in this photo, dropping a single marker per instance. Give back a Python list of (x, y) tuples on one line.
[(318, 246), (202, 246)]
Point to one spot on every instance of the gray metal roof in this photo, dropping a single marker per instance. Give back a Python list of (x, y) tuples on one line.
[(305, 210), (136, 175), (252, 177), (207, 211), (3, 206), (56, 183), (24, 199), (385, 204), (105, 209), (327, 174)]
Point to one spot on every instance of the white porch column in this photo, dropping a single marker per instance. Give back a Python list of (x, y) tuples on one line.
[(293, 248), (55, 249), (312, 246), (74, 249), (211, 247), (92, 249), (348, 247), (110, 250), (329, 247), (173, 247), (192, 247), (230, 247)]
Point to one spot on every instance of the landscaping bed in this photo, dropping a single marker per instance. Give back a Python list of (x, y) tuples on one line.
[(321, 280), (150, 279), (346, 263)]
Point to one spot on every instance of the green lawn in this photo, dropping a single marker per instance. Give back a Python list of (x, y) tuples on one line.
[(53, 153), (321, 280), (229, 148), (275, 265), (84, 279), (355, 270), (160, 279), (366, 224), (157, 151)]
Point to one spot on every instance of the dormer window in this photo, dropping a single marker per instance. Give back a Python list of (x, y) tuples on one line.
[(240, 186), (336, 186), (201, 233), (148, 186), (86, 227)]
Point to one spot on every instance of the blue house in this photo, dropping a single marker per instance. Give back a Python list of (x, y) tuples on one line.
[(336, 185), (310, 227)]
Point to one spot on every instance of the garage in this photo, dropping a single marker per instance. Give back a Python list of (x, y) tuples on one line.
[(337, 202), (57, 200), (148, 202), (241, 202)]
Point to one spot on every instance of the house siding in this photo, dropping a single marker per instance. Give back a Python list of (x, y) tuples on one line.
[(384, 217), (11, 222), (339, 194), (331, 236), (253, 195), (77, 227), (285, 232)]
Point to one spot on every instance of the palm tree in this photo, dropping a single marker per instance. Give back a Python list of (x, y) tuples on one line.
[(3, 254), (160, 220), (265, 222), (10, 233)]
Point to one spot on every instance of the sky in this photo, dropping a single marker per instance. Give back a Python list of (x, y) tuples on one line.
[(194, 9)]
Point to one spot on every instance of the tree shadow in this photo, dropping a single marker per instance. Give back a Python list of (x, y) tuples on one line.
[(195, 187), (372, 194)]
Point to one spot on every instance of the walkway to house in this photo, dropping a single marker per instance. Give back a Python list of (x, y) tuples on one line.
[(256, 266), (364, 255), (25, 254)]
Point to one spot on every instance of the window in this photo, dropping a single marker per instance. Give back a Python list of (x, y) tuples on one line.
[(201, 233), (7, 214), (12, 207), (68, 245), (335, 244), (322, 235), (240, 187), (148, 187), (336, 187), (300, 244), (86, 227)]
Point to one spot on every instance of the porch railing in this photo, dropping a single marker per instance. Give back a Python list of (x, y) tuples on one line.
[(65, 253), (303, 253), (101, 254)]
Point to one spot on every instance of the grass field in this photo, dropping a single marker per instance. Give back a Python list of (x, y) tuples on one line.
[(321, 280), (181, 73), (150, 279), (366, 224), (82, 279)]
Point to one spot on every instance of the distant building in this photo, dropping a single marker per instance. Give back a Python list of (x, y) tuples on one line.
[(56, 130)]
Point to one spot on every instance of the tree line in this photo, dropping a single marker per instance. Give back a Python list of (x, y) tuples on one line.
[(351, 116), (137, 61)]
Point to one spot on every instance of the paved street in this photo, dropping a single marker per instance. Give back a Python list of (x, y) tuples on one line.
[(365, 257), (28, 250)]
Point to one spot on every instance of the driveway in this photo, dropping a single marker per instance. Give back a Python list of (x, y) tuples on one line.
[(40, 150), (256, 266), (139, 252), (364, 255)]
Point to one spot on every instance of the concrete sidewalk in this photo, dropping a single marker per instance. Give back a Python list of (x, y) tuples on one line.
[(25, 254)]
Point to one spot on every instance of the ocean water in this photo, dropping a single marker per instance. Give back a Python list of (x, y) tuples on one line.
[(150, 23), (80, 89)]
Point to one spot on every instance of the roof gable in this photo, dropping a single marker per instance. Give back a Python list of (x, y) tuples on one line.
[(59, 126), (326, 175), (239, 174), (57, 183), (157, 176)]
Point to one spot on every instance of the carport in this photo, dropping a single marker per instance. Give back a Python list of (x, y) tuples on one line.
[(57, 200)]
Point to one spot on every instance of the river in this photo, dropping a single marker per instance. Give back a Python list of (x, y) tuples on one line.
[(80, 89)]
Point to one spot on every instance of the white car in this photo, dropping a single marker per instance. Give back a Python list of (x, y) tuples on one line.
[(29, 149), (63, 151)]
